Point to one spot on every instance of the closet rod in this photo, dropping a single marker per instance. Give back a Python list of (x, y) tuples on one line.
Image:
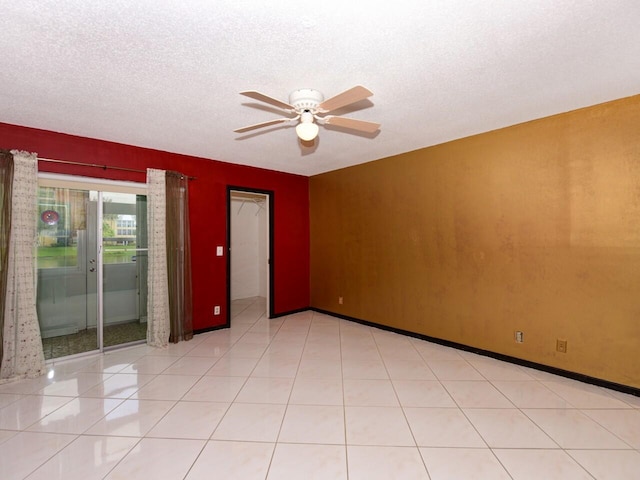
[(104, 167)]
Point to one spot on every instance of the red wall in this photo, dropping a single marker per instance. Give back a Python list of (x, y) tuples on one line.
[(207, 203)]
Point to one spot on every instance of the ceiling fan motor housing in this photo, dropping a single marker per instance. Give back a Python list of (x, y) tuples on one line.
[(306, 99)]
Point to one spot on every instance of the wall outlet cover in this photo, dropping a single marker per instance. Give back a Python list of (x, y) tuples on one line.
[(561, 346)]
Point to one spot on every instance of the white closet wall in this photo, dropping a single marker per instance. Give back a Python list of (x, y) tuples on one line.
[(263, 256), (248, 249)]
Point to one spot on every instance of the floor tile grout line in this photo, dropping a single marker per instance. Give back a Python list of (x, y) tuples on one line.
[(195, 460), (582, 412), (404, 413), (176, 402), (344, 400), (124, 456), (607, 428), (232, 401), (277, 439), (52, 455), (402, 408), (205, 442)]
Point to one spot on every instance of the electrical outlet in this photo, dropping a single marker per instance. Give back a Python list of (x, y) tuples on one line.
[(561, 346), (340, 300), (216, 310), (519, 336)]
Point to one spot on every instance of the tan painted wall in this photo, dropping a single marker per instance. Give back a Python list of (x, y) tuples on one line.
[(534, 227)]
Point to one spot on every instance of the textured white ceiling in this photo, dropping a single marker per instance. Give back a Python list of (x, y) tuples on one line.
[(166, 74)]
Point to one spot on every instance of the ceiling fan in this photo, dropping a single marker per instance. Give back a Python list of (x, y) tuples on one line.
[(310, 109)]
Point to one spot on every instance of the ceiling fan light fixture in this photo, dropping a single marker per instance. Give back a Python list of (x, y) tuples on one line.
[(307, 130), (310, 108)]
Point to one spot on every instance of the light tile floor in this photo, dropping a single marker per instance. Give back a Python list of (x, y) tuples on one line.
[(309, 396)]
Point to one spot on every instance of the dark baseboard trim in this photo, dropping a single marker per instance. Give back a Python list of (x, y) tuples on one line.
[(210, 329), (291, 312), (226, 325), (498, 356)]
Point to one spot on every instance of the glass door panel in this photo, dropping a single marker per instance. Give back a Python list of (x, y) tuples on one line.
[(92, 269), (124, 279), (67, 269)]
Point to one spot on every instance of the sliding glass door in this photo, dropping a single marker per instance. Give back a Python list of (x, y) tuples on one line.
[(67, 272), (91, 268), (123, 281)]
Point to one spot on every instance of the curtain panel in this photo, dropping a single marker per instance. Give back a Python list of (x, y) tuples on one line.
[(169, 302), (157, 277), (6, 182), (22, 354), (179, 257)]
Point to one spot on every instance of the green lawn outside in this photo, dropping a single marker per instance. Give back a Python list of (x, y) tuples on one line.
[(56, 251), (51, 257)]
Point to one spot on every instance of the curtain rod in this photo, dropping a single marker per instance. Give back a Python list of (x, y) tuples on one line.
[(104, 167)]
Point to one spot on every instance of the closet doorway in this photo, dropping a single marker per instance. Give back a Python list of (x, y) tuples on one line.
[(250, 247)]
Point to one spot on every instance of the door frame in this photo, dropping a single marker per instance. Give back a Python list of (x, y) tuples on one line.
[(270, 261)]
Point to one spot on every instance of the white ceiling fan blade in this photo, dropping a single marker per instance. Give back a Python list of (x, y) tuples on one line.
[(263, 124), (352, 123), (267, 99), (347, 97)]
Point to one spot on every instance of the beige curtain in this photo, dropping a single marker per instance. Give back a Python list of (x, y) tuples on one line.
[(157, 277), (22, 354), (179, 257)]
